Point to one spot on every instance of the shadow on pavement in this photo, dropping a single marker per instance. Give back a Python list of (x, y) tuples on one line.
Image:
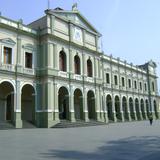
[(132, 148)]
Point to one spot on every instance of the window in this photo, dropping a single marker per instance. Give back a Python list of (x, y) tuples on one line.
[(107, 78), (123, 82), (115, 80), (145, 87), (77, 64), (28, 60), (129, 83), (89, 68), (140, 85), (153, 89), (135, 84), (7, 55), (62, 61)]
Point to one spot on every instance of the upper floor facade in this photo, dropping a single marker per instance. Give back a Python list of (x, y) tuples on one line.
[(64, 45)]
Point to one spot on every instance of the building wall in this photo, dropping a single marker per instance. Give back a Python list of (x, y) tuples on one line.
[(58, 34)]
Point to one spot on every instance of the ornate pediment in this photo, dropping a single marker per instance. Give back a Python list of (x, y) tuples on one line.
[(74, 16), (8, 41), (29, 46)]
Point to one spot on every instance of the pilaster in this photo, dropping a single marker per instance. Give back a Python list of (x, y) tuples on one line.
[(71, 105), (17, 106), (105, 109), (56, 109), (121, 111), (19, 53), (114, 112), (85, 108), (134, 111), (97, 104), (129, 112)]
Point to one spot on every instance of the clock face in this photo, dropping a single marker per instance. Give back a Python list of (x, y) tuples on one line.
[(78, 34)]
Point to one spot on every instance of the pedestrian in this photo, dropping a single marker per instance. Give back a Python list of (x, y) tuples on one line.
[(151, 119)]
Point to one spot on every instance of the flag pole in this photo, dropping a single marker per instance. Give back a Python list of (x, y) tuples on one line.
[(48, 4)]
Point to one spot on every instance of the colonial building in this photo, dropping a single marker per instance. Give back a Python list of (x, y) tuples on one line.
[(53, 69)]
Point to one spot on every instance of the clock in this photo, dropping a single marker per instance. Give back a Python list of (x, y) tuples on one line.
[(77, 34)]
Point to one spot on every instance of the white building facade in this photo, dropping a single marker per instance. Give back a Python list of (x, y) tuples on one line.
[(53, 70)]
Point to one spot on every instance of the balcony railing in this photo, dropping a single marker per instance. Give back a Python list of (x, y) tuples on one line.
[(63, 74), (30, 71), (7, 67), (78, 77), (90, 79)]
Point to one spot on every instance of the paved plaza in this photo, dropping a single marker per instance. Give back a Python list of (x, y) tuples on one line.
[(120, 141)]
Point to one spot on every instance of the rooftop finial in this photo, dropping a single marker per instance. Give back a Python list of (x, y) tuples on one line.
[(75, 7)]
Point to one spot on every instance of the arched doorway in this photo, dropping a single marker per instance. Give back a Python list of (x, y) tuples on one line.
[(131, 108), (91, 105), (117, 108), (142, 109), (28, 104), (147, 108), (155, 109), (125, 110), (78, 104), (109, 107), (6, 102), (137, 109), (63, 103)]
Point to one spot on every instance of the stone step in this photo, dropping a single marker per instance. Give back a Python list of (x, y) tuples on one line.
[(79, 123), (27, 124), (6, 125)]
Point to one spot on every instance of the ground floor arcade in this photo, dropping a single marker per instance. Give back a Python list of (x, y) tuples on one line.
[(20, 102)]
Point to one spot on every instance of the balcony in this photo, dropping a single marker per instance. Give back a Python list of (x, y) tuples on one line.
[(77, 77), (90, 79), (7, 67), (63, 74), (29, 71)]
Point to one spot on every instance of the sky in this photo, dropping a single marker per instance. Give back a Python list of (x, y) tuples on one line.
[(130, 28)]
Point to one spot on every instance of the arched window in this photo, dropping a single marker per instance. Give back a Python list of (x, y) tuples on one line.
[(89, 68), (77, 64), (115, 80), (62, 61), (153, 89)]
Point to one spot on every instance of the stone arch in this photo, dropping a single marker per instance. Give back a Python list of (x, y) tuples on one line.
[(91, 105), (124, 107), (28, 107), (7, 90), (63, 103), (77, 65), (28, 83), (137, 109), (143, 109), (78, 104), (109, 107), (155, 109), (131, 106), (117, 108), (66, 86), (11, 82)]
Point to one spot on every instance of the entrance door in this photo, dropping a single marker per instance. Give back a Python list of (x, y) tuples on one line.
[(63, 113), (8, 108)]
